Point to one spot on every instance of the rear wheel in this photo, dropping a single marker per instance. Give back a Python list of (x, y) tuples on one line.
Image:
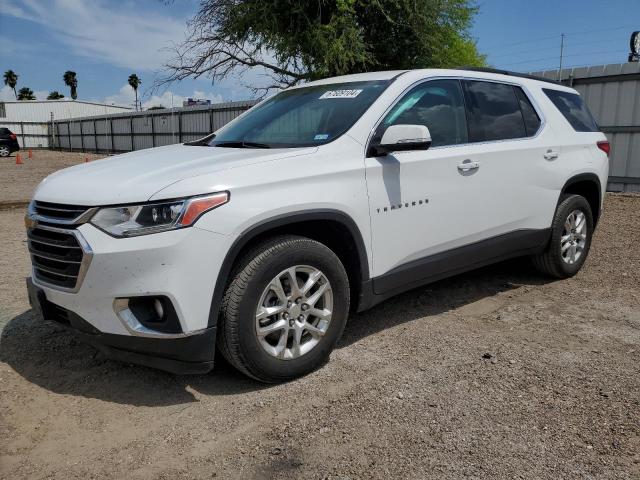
[(571, 233), (4, 151), (284, 310)]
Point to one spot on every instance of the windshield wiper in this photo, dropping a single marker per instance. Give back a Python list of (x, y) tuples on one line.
[(242, 144)]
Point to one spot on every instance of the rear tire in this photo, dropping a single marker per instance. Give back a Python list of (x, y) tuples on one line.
[(571, 234), (304, 320)]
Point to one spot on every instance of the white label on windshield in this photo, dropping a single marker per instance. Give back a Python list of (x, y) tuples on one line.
[(340, 94)]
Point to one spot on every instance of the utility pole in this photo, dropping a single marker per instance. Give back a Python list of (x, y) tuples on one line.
[(561, 57)]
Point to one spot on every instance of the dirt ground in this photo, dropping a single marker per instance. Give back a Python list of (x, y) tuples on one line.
[(499, 373)]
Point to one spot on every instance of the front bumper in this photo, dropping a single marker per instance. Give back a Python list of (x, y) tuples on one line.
[(183, 355), (181, 265)]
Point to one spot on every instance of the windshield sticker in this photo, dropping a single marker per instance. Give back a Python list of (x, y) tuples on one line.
[(321, 136), (340, 94)]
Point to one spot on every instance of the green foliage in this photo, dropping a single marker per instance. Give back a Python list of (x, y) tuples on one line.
[(71, 81), (54, 95), (298, 40), (11, 80), (25, 93)]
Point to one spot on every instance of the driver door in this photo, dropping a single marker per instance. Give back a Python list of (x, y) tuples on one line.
[(425, 202)]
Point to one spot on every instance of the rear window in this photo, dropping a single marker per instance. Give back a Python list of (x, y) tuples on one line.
[(573, 109), (494, 111), (5, 131)]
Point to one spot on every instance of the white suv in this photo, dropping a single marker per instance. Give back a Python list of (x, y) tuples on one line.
[(322, 200)]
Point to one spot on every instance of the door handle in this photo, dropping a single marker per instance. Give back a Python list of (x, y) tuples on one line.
[(468, 165), (550, 155)]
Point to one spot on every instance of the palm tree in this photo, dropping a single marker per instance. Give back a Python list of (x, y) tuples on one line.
[(11, 80), (25, 93), (55, 95), (71, 81), (135, 82)]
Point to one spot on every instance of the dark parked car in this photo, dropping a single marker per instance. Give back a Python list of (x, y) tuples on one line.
[(8, 142)]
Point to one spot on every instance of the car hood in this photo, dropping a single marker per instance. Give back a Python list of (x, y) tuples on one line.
[(136, 176)]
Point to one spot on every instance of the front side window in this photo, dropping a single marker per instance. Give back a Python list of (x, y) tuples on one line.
[(573, 109), (301, 117), (436, 104), (494, 112)]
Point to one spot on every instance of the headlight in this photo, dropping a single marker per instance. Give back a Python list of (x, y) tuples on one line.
[(134, 220)]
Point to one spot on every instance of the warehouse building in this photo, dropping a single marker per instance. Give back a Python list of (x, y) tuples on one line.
[(31, 120)]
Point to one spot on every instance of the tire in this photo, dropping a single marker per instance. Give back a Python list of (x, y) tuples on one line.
[(253, 285), (556, 260), (4, 151)]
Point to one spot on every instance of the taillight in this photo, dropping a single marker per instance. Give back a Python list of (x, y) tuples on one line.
[(605, 147), (13, 136)]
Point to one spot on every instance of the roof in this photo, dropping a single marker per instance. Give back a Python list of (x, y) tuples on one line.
[(62, 100)]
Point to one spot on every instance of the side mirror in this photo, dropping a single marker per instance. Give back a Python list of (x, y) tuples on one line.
[(398, 138)]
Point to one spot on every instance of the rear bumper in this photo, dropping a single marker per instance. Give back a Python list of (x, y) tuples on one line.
[(188, 354)]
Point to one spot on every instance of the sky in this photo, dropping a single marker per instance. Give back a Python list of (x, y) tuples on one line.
[(104, 41)]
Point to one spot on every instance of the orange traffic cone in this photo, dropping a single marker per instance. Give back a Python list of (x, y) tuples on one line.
[(86, 159), (30, 154), (18, 159)]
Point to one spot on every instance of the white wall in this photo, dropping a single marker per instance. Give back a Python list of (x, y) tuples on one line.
[(40, 111)]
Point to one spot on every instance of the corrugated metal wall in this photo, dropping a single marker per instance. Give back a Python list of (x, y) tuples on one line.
[(139, 130), (612, 93)]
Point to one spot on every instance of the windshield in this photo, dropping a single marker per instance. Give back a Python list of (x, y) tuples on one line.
[(301, 117)]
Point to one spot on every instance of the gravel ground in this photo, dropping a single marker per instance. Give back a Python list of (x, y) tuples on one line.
[(499, 373)]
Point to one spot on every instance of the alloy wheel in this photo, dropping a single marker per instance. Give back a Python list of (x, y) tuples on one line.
[(574, 237), (294, 312)]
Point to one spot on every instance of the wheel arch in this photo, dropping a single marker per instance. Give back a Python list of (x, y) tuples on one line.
[(588, 186), (333, 228)]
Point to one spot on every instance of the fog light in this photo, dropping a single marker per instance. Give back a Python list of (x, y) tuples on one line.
[(157, 305)]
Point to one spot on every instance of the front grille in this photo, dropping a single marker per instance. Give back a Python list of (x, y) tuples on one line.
[(59, 212), (56, 255)]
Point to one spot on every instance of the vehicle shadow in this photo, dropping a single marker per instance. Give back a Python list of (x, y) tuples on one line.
[(47, 355)]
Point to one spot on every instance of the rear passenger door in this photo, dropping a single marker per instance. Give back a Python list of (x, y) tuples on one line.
[(516, 155)]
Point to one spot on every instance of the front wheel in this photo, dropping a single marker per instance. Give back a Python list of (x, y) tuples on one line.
[(571, 233), (284, 309)]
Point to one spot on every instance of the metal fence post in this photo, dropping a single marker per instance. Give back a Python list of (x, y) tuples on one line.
[(81, 137), (69, 135), (153, 132), (111, 133), (133, 147), (179, 127), (95, 135)]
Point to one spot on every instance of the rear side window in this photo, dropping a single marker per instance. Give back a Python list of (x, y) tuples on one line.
[(494, 112), (531, 118), (5, 131), (573, 109)]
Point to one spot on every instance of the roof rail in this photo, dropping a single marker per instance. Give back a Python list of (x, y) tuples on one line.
[(509, 73)]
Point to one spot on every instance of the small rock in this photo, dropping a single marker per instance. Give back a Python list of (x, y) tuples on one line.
[(494, 360), (276, 451), (324, 430), (400, 395), (512, 362)]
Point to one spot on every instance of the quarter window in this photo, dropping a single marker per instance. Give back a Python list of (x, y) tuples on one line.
[(494, 111), (573, 109), (436, 104)]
